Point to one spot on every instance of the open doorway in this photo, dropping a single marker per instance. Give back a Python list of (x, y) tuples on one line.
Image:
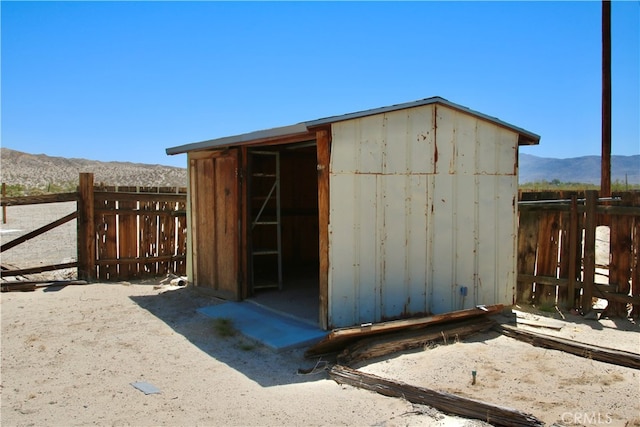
[(284, 237)]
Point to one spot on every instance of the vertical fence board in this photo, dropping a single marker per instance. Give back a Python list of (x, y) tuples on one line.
[(635, 272), (620, 266), (181, 238), (127, 237), (564, 259), (165, 237), (574, 272), (589, 264), (633, 199), (148, 234), (107, 238), (547, 260), (527, 244)]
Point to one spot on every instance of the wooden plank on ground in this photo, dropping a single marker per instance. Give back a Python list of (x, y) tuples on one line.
[(446, 402), (589, 351), (40, 269), (540, 323), (389, 343), (337, 339), (33, 285)]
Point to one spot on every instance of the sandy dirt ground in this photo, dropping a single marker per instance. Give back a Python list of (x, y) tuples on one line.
[(69, 356)]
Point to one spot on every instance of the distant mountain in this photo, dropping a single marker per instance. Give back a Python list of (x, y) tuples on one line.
[(578, 169), (40, 171)]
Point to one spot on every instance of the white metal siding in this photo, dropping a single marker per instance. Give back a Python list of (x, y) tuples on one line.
[(407, 231)]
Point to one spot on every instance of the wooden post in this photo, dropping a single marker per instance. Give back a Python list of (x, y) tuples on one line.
[(589, 250), (4, 208), (86, 229), (245, 223), (605, 182), (323, 156)]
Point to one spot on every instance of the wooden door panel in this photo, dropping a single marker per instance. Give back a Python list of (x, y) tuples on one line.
[(215, 219)]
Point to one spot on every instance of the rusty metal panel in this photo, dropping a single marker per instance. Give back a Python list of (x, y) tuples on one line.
[(409, 137), (501, 159), (398, 142), (441, 244), (403, 243), (420, 220)]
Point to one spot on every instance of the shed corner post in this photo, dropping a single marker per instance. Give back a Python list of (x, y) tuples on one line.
[(86, 229), (323, 142)]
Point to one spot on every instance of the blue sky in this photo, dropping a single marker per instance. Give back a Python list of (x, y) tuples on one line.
[(125, 80)]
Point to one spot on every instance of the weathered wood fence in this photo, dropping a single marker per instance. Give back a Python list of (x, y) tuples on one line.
[(123, 232), (557, 251)]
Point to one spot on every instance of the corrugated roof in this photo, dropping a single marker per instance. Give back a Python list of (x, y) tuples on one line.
[(303, 129)]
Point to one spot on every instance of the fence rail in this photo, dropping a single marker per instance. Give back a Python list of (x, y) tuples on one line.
[(560, 261)]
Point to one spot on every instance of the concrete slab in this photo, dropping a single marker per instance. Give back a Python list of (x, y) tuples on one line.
[(270, 328)]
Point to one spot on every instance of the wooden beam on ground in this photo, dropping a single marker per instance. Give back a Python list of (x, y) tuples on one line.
[(33, 285), (446, 402), (589, 351), (39, 231), (40, 269), (382, 345), (337, 339)]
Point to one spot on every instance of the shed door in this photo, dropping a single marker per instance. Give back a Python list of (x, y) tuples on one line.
[(215, 223)]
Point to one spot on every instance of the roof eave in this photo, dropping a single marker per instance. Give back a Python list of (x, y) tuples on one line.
[(284, 133), (302, 131)]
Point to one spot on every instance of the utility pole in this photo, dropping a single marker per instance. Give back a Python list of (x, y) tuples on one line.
[(605, 181)]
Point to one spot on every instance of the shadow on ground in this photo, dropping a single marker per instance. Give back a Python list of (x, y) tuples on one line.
[(178, 309)]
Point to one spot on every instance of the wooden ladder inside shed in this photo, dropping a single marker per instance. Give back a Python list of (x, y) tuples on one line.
[(266, 215)]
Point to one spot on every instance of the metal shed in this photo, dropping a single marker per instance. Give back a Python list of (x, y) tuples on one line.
[(389, 213)]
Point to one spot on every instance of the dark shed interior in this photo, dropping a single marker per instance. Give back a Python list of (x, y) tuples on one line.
[(294, 168)]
